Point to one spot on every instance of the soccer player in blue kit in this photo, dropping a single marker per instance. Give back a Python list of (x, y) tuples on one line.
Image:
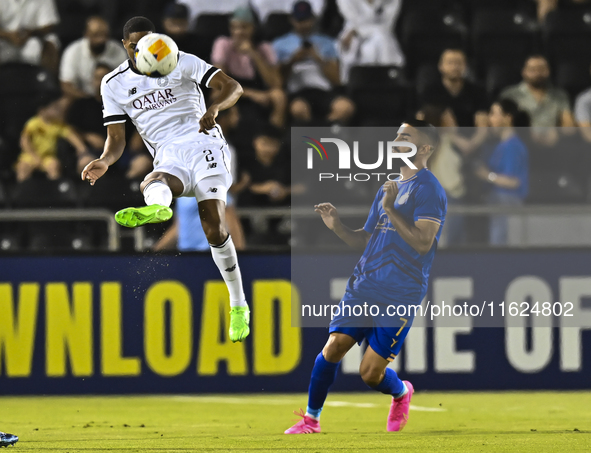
[(399, 241)]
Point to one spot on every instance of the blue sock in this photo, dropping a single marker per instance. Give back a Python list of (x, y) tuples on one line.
[(391, 384), (323, 375)]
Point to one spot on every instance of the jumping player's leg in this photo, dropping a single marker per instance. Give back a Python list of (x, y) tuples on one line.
[(211, 194), (158, 189), (323, 376)]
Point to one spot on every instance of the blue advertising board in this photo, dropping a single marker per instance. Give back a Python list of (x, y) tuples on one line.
[(157, 324)]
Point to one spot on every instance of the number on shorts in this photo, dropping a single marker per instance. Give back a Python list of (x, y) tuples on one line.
[(208, 156), (403, 325)]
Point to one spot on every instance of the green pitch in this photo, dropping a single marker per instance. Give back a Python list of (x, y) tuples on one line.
[(443, 422)]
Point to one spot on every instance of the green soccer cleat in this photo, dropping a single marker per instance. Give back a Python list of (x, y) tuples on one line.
[(239, 319), (135, 217)]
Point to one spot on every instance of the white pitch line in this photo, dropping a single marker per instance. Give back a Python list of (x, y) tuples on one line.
[(282, 401), (426, 409), (348, 404), (230, 400)]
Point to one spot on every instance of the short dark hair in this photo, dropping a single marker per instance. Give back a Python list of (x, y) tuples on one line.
[(137, 24), (427, 129), (519, 117)]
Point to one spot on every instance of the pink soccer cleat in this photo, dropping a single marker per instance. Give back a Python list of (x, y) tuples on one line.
[(399, 409), (307, 425)]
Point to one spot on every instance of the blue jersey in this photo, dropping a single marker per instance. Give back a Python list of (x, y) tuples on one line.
[(390, 270)]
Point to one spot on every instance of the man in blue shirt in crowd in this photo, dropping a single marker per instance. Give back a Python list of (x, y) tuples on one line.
[(310, 66), (399, 241)]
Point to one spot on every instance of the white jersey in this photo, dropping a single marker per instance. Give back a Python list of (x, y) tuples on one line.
[(162, 109)]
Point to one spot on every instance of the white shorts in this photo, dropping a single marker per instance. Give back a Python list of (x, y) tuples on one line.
[(204, 167)]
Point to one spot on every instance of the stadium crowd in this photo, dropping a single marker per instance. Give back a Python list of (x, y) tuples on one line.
[(482, 69)]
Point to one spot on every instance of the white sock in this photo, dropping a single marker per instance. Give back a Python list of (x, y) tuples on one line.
[(156, 192), (226, 259)]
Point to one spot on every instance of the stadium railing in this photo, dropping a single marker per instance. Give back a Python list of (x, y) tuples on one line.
[(529, 225)]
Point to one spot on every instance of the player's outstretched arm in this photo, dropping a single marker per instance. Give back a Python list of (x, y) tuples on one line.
[(356, 239), (420, 235), (113, 150), (229, 92)]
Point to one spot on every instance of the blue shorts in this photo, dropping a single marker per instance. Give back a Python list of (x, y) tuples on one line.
[(384, 333)]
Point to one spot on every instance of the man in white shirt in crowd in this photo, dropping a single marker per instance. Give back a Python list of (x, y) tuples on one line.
[(26, 32), (81, 57)]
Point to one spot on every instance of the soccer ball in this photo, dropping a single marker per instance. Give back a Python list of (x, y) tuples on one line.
[(156, 55)]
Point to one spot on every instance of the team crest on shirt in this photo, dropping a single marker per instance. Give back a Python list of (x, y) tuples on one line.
[(162, 81), (403, 198)]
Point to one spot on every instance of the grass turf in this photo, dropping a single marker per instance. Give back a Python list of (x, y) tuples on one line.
[(443, 422)]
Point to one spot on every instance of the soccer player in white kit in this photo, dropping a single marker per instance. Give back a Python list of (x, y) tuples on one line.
[(191, 156)]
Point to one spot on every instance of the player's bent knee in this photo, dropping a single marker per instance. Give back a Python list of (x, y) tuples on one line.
[(336, 347), (174, 183), (371, 375)]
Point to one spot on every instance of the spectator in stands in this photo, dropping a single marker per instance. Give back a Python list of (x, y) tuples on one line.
[(197, 7), (263, 8), (546, 6), (254, 65), (367, 37), (175, 23), (85, 115), (507, 168), (547, 106), (81, 57), (454, 91), (26, 32), (447, 164), (39, 141), (309, 64), (583, 113), (268, 172)]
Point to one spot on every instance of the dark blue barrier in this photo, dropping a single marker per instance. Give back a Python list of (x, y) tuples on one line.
[(138, 324)]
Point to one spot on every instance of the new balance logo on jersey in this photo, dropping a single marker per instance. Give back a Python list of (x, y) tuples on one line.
[(212, 165), (213, 189), (231, 269), (132, 91)]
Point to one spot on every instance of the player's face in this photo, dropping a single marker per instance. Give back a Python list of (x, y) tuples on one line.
[(130, 43), (410, 134), (536, 72), (406, 133)]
